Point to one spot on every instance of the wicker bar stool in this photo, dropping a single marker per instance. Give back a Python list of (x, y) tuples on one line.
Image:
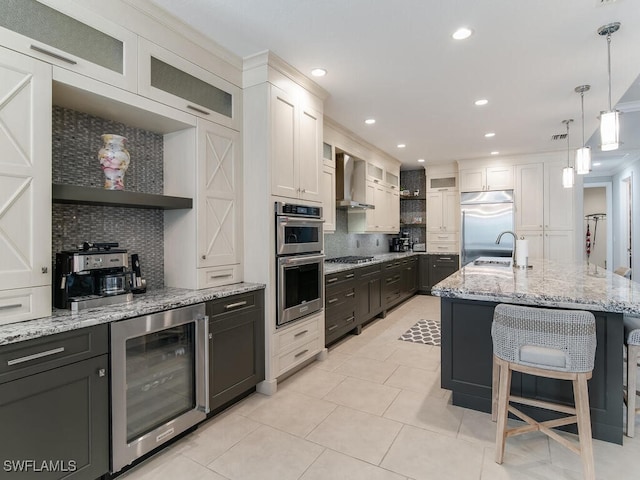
[(632, 344), (558, 344)]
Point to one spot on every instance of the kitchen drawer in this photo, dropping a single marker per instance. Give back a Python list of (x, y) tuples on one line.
[(337, 299), (296, 334), (298, 355), (409, 261), (331, 279), (234, 303), (21, 304), (218, 276), (441, 237), (444, 260), (369, 271), (339, 323), (34, 356), (446, 247), (387, 266)]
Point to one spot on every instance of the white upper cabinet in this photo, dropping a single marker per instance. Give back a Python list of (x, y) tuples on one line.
[(175, 81), (218, 195), (296, 134), (328, 190), (529, 196), (443, 210), (486, 178), (25, 187), (69, 36)]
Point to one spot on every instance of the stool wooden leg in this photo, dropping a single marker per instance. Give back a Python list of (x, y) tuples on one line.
[(632, 368), (581, 395), (502, 412), (495, 381)]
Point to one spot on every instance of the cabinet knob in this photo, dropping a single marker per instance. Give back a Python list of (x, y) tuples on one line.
[(102, 372), (204, 257), (304, 190), (211, 336), (45, 270)]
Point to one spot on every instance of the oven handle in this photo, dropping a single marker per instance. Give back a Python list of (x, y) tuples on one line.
[(301, 259), (300, 220), (202, 334)]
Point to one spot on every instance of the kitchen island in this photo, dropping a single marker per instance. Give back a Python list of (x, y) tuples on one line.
[(468, 299)]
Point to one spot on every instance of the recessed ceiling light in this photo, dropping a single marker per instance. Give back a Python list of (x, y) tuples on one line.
[(401, 145), (481, 102), (495, 152), (462, 33), (421, 160), (597, 164), (370, 121), (490, 134), (318, 72)]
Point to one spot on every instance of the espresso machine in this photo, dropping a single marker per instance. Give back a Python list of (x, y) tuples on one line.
[(96, 274)]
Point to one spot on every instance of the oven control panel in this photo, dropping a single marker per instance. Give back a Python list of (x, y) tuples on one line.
[(300, 210)]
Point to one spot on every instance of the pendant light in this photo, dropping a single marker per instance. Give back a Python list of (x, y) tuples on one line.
[(609, 120), (583, 154), (567, 172)]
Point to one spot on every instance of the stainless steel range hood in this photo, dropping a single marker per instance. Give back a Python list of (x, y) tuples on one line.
[(347, 167)]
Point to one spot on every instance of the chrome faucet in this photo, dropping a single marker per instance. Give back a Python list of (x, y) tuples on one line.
[(515, 238)]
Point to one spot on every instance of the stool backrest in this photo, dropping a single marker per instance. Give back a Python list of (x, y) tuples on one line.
[(572, 332)]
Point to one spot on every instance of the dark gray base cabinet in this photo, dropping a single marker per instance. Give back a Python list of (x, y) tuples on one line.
[(438, 267), (467, 354), (236, 346), (368, 292), (54, 410)]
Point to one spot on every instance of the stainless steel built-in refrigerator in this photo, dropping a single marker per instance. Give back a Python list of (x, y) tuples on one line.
[(484, 216)]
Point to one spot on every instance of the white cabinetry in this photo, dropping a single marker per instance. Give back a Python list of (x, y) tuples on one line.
[(328, 189), (175, 81), (69, 36), (219, 210), (544, 211), (443, 219), (25, 187), (296, 134), (486, 178)]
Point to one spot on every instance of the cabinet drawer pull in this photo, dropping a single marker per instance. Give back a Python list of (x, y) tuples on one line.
[(445, 258), (443, 236), (223, 275), (235, 305), (300, 333), (350, 294), (54, 55), (351, 275), (299, 354), (331, 280), (35, 356), (332, 327), (11, 305), (350, 319), (199, 110), (333, 300)]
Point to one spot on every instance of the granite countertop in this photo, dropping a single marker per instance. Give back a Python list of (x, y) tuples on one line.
[(551, 284), (143, 304), (330, 267)]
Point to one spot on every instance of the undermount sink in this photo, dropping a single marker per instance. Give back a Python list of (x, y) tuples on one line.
[(493, 262)]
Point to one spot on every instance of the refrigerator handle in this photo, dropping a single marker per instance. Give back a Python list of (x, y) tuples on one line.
[(462, 250)]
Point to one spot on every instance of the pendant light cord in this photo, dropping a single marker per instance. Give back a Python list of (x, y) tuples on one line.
[(609, 66), (582, 107), (568, 147)]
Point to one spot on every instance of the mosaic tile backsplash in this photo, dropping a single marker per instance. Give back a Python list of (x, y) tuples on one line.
[(76, 141), (342, 243)]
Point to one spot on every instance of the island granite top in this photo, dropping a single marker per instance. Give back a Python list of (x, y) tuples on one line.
[(549, 284), (151, 302)]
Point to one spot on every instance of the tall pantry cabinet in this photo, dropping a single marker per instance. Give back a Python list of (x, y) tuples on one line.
[(282, 147)]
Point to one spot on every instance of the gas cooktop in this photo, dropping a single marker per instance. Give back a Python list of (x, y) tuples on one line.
[(350, 259)]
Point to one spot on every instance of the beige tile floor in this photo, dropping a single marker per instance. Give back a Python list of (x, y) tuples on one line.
[(373, 410)]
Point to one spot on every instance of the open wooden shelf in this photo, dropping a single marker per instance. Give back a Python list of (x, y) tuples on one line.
[(74, 194)]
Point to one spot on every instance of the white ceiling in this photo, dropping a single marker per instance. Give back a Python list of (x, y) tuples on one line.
[(395, 61)]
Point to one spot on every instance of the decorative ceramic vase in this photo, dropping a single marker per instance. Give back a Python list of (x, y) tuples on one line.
[(114, 160)]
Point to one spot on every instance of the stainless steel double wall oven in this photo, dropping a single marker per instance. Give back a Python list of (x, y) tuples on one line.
[(300, 261)]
